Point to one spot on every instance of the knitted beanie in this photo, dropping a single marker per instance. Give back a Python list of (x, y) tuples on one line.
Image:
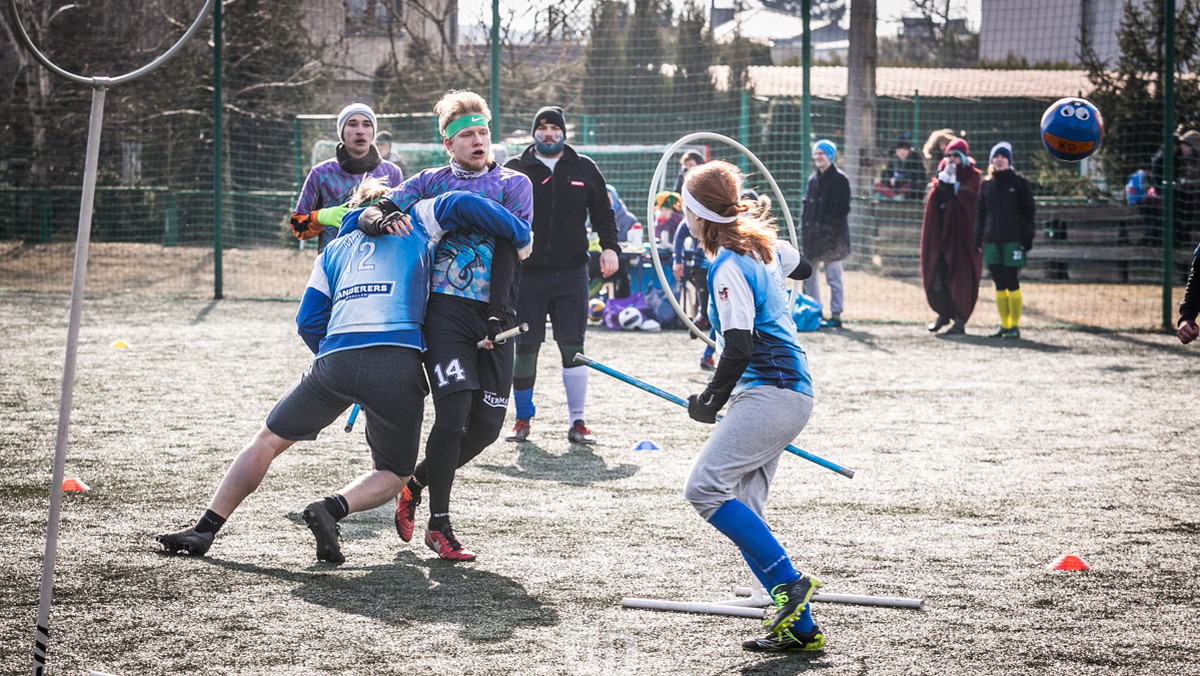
[(826, 146), (1002, 148), (351, 109), (550, 115)]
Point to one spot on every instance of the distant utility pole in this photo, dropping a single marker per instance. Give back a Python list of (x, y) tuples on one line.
[(860, 97)]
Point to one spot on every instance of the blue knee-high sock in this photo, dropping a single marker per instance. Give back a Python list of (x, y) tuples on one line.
[(523, 400), (751, 534), (805, 622)]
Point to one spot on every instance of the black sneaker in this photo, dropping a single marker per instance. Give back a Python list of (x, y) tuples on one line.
[(790, 600), (326, 530), (520, 431), (580, 434), (1014, 332), (790, 639), (998, 334), (187, 541)]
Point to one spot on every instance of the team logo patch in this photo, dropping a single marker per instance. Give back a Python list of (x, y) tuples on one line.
[(364, 290), (723, 294), (494, 400), (577, 184)]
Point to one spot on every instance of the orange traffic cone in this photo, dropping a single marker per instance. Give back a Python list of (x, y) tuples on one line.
[(1069, 562), (75, 485)]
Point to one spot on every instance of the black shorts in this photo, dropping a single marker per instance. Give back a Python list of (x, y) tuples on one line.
[(560, 294), (453, 362), (385, 380)]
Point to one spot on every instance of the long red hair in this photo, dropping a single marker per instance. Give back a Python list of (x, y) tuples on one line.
[(717, 185)]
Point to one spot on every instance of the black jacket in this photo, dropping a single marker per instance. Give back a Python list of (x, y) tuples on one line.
[(1005, 210), (562, 202), (824, 230)]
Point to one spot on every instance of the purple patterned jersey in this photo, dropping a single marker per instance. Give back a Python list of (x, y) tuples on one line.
[(462, 263)]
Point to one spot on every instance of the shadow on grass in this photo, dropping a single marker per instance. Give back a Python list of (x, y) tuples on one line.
[(1022, 343), (579, 466), (412, 592)]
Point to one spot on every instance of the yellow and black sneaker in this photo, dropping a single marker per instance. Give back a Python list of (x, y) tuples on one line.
[(790, 639), (790, 600)]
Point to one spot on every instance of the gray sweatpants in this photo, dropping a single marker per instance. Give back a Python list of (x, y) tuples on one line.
[(739, 459), (837, 290)]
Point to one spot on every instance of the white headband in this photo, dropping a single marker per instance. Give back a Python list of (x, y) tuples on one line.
[(702, 211)]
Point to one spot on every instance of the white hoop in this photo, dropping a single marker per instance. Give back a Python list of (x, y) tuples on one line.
[(656, 185), (102, 82)]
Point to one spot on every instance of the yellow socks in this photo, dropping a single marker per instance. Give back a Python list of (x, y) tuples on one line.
[(1002, 306), (1014, 308)]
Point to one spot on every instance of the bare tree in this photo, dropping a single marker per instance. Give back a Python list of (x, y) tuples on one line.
[(860, 96)]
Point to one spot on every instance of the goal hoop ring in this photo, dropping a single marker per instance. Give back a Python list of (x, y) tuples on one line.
[(656, 185)]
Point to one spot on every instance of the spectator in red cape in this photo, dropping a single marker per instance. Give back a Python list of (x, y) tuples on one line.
[(950, 265)]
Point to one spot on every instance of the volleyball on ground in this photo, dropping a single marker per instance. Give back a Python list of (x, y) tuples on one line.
[(630, 318), (1072, 129), (596, 310)]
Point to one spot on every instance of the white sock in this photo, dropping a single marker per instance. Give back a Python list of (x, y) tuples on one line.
[(575, 381)]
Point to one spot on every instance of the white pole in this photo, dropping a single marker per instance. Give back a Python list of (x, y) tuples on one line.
[(699, 608), (851, 599), (68, 380)]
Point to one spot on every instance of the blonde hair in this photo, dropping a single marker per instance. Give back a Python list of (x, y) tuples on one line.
[(456, 103), (369, 190), (931, 145), (716, 185)]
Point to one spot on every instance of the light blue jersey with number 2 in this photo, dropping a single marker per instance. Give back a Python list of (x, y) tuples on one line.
[(367, 291)]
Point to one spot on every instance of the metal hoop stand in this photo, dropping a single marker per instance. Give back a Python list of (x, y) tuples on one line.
[(656, 185), (99, 85)]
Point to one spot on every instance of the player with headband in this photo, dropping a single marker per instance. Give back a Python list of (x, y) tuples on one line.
[(472, 296), (361, 316), (763, 374)]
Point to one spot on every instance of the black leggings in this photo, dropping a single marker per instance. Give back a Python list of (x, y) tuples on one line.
[(456, 438), (1005, 277)]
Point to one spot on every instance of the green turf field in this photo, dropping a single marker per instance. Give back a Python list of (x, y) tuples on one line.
[(978, 463)]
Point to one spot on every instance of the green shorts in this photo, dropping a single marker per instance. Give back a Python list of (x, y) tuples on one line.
[(1008, 254)]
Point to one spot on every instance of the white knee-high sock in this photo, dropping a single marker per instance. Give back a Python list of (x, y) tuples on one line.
[(575, 380)]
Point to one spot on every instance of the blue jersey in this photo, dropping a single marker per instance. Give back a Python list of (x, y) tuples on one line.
[(367, 291), (747, 294), (462, 265)]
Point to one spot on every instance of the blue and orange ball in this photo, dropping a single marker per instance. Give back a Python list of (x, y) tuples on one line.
[(1072, 129)]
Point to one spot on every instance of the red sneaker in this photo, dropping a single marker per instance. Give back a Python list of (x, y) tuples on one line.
[(406, 512), (446, 545)]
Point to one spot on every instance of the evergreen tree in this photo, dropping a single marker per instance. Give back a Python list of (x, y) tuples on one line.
[(1131, 97)]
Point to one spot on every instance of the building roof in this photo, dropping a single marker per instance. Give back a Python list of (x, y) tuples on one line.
[(762, 25), (964, 83)]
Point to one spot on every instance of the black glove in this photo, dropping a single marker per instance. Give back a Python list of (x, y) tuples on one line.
[(703, 407), (494, 327)]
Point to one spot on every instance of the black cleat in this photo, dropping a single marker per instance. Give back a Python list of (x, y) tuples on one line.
[(790, 639), (187, 541), (790, 600), (326, 530)]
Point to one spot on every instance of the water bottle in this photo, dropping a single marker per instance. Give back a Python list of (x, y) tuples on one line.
[(635, 236)]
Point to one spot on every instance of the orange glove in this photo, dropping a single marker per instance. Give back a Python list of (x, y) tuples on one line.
[(305, 226)]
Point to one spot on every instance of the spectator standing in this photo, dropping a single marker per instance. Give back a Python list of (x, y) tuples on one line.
[(1189, 307), (950, 265), (824, 228), (1004, 229), (332, 182), (568, 190)]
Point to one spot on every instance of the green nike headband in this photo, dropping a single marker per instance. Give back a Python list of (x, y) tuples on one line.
[(465, 121)]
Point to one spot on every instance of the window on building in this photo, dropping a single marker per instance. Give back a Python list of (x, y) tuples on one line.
[(373, 17)]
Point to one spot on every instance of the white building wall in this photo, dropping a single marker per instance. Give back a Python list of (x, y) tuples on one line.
[(1048, 30)]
